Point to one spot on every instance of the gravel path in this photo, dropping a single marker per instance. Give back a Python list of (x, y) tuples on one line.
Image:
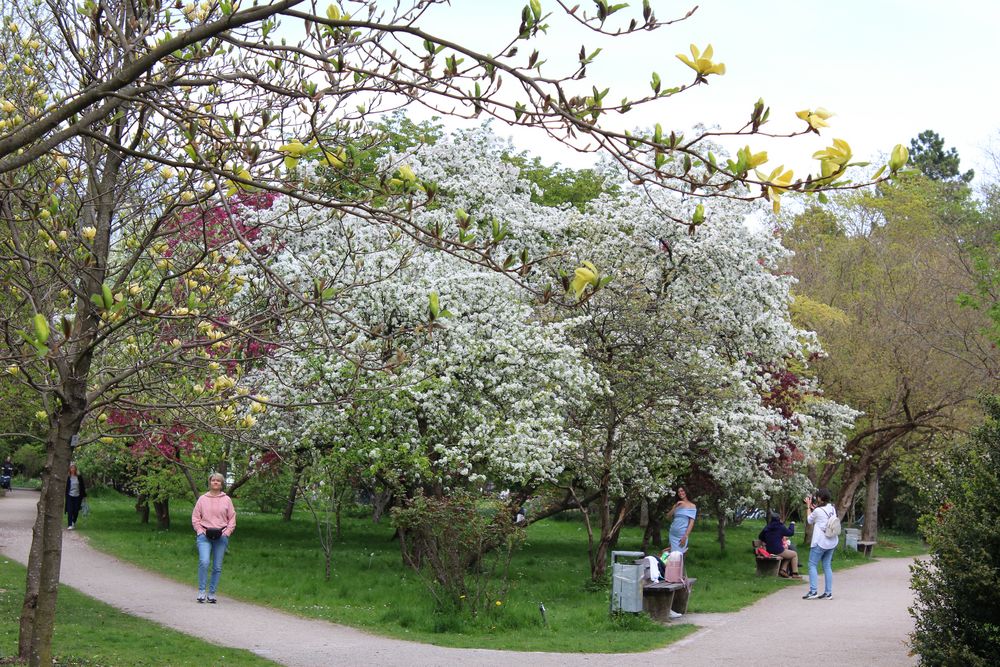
[(866, 623)]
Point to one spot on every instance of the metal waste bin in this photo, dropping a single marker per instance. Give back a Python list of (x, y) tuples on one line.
[(626, 582), (851, 537)]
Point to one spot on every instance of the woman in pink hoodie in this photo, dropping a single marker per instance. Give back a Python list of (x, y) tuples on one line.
[(214, 520)]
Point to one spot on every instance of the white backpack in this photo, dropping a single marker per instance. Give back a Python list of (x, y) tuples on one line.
[(832, 526)]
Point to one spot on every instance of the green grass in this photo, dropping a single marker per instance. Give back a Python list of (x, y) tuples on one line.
[(281, 565), (92, 633)]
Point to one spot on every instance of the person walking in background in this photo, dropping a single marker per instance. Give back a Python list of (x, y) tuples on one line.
[(76, 491), (213, 520), (683, 513), (820, 514), (774, 536), (7, 473)]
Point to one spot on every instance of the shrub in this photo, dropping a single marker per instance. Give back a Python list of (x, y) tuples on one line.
[(957, 609), (30, 459), (462, 546)]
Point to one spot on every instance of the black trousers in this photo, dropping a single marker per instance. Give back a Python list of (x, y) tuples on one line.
[(73, 508)]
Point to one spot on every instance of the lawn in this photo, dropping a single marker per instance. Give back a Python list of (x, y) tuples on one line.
[(90, 633), (281, 565)]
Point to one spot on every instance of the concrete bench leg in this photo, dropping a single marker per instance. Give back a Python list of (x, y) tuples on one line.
[(680, 603), (658, 604), (768, 567)]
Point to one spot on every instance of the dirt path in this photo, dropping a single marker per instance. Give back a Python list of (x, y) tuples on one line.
[(866, 622)]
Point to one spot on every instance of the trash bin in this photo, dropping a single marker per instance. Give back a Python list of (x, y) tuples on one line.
[(626, 582), (851, 537)]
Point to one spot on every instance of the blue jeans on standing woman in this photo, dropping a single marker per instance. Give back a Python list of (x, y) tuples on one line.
[(210, 551), (816, 554)]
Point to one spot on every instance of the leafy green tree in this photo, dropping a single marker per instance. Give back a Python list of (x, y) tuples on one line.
[(558, 186), (957, 610), (879, 273), (928, 154)]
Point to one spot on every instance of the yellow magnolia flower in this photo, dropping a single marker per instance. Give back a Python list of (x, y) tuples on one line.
[(775, 184), (248, 421), (407, 174), (816, 118), (336, 160), (13, 369), (88, 233), (41, 415), (900, 156), (701, 62), (224, 382), (7, 106), (583, 276), (295, 148), (833, 159), (166, 173)]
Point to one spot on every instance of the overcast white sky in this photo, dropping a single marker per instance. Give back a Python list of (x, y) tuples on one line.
[(888, 68)]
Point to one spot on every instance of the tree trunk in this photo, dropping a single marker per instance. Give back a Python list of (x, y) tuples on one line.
[(162, 509), (142, 509), (42, 585), (720, 528), (644, 513), (32, 584), (611, 527), (187, 475), (869, 532), (653, 535), (340, 506), (286, 516), (381, 502)]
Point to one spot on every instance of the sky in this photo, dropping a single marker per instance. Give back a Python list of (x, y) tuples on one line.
[(888, 69)]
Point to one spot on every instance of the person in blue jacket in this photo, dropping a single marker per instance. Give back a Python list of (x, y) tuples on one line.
[(772, 536)]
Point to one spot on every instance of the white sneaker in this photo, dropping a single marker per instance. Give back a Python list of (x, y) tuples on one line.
[(71, 527), (674, 614)]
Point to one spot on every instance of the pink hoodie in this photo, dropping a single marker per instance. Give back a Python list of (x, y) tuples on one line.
[(214, 512)]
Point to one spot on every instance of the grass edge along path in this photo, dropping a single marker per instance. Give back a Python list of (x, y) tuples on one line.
[(280, 565), (90, 633)]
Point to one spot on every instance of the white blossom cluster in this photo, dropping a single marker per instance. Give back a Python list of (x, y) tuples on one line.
[(661, 372)]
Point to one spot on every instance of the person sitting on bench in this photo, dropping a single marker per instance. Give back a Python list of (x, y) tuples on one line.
[(772, 536)]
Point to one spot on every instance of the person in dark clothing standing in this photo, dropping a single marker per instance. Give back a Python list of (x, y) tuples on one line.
[(6, 474), (76, 491), (772, 536)]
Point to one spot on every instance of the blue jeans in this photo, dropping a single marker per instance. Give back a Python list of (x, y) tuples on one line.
[(816, 554), (210, 551)]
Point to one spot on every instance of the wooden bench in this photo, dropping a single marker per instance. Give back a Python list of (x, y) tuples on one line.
[(866, 548), (660, 598), (766, 567)]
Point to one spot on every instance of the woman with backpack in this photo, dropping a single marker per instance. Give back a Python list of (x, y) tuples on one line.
[(826, 531), (213, 520)]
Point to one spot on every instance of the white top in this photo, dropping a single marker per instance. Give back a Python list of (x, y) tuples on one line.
[(819, 518)]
